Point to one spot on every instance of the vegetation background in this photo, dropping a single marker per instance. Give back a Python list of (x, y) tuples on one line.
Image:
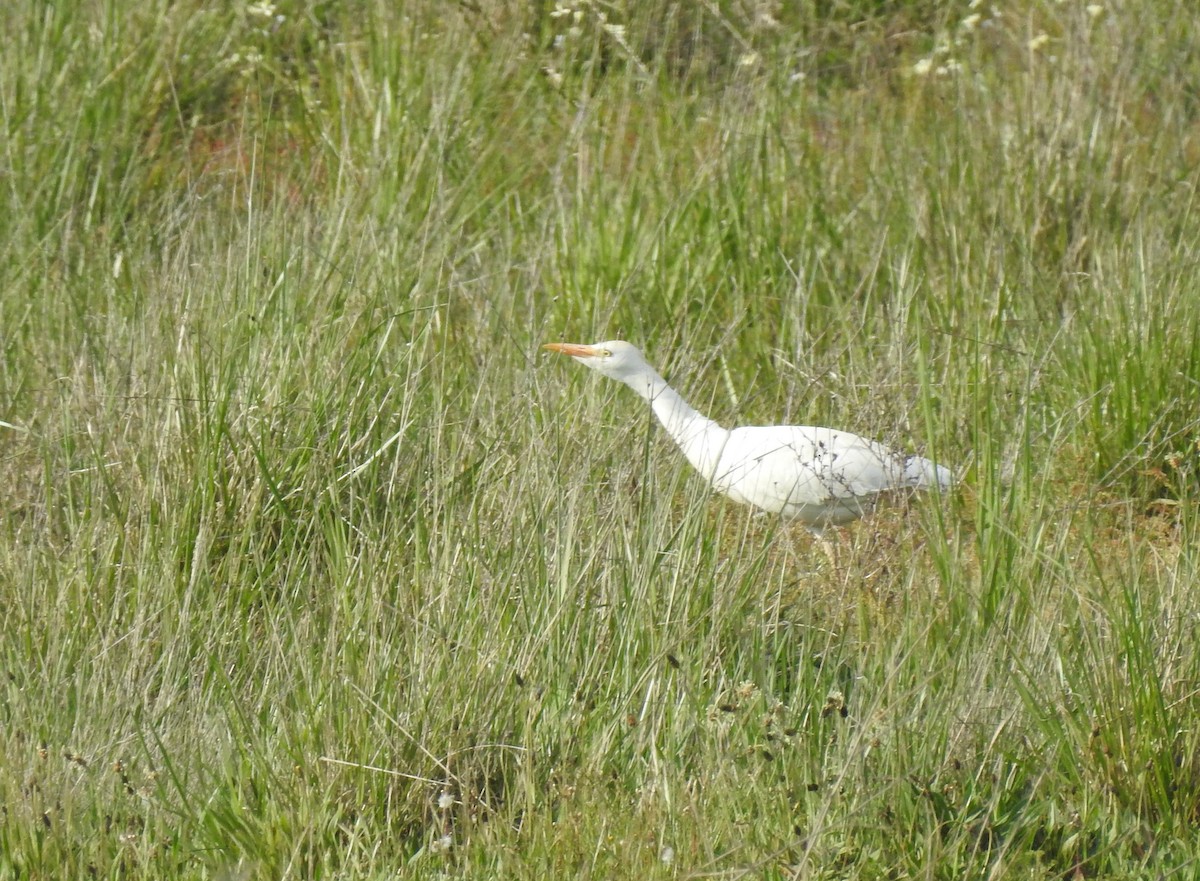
[(311, 566)]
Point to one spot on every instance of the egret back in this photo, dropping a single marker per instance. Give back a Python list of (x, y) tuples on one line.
[(816, 475)]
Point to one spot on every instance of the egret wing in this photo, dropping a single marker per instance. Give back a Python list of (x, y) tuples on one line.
[(799, 470)]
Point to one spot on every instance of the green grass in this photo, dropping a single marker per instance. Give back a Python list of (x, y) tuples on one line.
[(311, 565)]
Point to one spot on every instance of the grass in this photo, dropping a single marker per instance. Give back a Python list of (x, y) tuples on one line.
[(312, 566)]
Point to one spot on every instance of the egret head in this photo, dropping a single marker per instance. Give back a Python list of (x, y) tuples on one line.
[(614, 358)]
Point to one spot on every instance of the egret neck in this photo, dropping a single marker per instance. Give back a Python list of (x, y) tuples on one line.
[(699, 438)]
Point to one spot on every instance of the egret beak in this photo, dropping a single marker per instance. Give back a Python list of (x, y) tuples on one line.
[(575, 350)]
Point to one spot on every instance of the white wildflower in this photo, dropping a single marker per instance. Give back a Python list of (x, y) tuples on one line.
[(922, 67), (262, 10), (251, 60), (616, 31)]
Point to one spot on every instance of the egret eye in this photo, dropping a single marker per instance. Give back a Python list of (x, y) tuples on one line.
[(607, 353)]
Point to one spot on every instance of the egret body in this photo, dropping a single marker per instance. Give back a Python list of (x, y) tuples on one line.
[(818, 476)]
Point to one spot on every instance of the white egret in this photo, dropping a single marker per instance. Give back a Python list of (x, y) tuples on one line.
[(818, 476)]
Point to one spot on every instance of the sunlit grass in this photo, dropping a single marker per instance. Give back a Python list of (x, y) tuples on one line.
[(311, 566)]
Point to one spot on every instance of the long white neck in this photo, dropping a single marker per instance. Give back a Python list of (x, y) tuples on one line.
[(700, 438)]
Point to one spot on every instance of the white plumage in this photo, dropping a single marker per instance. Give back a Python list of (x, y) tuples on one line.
[(818, 476)]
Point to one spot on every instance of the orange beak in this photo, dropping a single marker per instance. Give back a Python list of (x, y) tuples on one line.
[(575, 350)]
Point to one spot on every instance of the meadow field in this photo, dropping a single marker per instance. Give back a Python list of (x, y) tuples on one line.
[(314, 566)]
